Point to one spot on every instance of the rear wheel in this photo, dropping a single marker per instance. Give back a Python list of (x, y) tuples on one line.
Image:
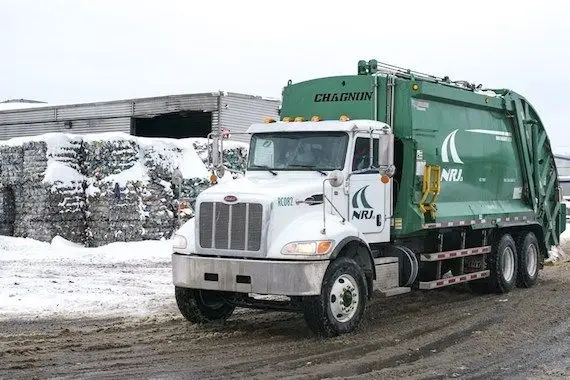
[(340, 306), (502, 264), (528, 260), (202, 306)]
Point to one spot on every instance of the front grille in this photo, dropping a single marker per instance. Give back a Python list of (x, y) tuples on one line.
[(236, 226)]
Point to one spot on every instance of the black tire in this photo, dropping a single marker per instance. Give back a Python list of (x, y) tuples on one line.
[(202, 306), (499, 281), (529, 258), (318, 311)]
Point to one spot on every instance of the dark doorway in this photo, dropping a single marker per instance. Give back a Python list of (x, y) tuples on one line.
[(174, 125), (8, 210)]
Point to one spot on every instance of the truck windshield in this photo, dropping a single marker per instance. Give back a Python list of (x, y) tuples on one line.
[(298, 151)]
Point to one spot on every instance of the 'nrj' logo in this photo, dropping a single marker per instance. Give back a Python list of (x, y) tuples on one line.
[(362, 209), (449, 151), (452, 175)]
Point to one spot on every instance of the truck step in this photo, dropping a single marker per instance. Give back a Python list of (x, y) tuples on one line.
[(453, 280), (394, 291), (455, 254), (385, 260)]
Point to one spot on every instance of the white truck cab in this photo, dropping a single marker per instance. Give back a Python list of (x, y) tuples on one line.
[(299, 224)]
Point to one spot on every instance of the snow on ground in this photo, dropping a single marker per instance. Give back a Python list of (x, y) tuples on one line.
[(61, 279)]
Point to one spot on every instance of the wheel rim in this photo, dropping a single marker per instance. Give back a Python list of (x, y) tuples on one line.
[(508, 264), (531, 259), (343, 299)]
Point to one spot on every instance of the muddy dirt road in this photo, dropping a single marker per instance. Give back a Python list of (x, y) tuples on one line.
[(433, 335)]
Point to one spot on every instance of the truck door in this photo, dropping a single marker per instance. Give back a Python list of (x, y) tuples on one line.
[(368, 197)]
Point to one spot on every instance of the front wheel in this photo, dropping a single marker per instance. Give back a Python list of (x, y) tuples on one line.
[(340, 306), (202, 306)]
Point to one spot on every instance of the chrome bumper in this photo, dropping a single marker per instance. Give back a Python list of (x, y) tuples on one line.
[(291, 278)]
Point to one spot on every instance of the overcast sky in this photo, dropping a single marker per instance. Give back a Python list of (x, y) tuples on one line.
[(79, 50)]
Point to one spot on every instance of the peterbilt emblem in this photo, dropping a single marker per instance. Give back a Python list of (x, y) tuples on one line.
[(230, 198)]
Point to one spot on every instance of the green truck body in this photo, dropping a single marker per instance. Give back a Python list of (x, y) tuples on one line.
[(497, 167)]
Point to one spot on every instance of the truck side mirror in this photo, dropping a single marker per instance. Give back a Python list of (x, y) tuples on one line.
[(386, 154), (336, 178), (215, 153)]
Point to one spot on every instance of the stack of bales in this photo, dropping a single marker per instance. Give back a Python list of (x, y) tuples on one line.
[(43, 190), (235, 153), (131, 195), (98, 189), (114, 210), (11, 165), (161, 159), (235, 156)]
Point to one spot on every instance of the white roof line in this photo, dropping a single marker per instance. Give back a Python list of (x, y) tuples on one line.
[(325, 125)]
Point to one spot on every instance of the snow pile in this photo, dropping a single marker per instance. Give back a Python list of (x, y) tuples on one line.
[(62, 279), (559, 254), (489, 93), (102, 188)]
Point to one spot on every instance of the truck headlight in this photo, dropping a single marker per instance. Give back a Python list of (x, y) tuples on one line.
[(179, 241), (315, 247)]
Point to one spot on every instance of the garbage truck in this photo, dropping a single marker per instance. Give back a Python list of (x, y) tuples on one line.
[(373, 185)]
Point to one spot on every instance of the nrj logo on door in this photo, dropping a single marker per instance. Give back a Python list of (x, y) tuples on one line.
[(362, 209)]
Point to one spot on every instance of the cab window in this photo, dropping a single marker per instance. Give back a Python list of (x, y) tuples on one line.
[(361, 157)]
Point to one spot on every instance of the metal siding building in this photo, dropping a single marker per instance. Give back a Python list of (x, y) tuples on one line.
[(238, 111), (563, 167), (562, 164), (189, 115)]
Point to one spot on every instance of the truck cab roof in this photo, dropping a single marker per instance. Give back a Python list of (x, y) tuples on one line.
[(319, 126)]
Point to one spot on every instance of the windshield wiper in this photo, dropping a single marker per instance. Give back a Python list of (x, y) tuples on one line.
[(308, 167), (266, 168)]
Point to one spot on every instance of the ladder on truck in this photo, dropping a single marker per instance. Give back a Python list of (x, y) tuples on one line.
[(461, 254)]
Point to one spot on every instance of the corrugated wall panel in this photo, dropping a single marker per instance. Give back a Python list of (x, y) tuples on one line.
[(237, 113), (95, 111), (240, 111), (215, 117), (122, 108), (78, 127), (563, 166), (119, 124), (27, 116), (21, 130), (168, 104)]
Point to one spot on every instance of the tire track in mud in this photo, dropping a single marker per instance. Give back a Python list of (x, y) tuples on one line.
[(329, 349), (369, 363), (343, 352), (437, 335)]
